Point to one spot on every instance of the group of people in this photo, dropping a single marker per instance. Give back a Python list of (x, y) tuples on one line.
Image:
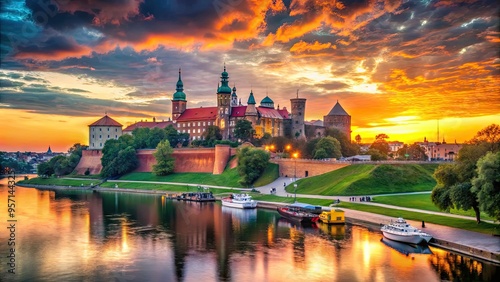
[(273, 190), (361, 199)]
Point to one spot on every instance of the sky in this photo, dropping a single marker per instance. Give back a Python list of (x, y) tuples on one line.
[(397, 67)]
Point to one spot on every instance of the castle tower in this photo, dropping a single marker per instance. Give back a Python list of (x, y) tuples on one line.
[(179, 101), (234, 98), (298, 113), (224, 104), (339, 119), (251, 111)]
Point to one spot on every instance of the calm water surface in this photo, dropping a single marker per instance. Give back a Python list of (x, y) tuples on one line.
[(91, 236)]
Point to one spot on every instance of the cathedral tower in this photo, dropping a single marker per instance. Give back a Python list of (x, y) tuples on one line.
[(179, 99), (298, 113), (224, 104)]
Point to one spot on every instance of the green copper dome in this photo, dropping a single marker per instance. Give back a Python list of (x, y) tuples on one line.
[(224, 88), (179, 95), (267, 102), (251, 99)]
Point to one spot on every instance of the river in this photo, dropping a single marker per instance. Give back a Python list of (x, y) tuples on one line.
[(106, 236)]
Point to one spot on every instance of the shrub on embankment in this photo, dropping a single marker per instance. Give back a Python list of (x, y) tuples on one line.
[(370, 179)]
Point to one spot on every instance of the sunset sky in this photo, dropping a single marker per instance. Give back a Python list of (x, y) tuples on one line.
[(396, 66)]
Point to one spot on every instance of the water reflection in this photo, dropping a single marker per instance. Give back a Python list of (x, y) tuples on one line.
[(81, 235)]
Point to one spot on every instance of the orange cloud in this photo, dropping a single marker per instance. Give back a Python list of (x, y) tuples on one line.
[(301, 46)]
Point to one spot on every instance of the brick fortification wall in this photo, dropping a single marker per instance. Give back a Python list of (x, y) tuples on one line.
[(90, 159), (209, 160), (303, 168), (222, 155), (186, 160)]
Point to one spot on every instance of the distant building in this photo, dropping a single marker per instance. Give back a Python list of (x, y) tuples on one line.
[(440, 151), (338, 118), (394, 146), (103, 130), (147, 124)]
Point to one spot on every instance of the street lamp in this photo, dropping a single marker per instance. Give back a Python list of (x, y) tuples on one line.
[(295, 191)]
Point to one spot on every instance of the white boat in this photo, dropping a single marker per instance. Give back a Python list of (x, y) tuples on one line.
[(241, 201), (401, 231)]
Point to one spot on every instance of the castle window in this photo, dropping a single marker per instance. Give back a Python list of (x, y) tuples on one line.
[(93, 131), (116, 136), (189, 124), (198, 130), (203, 123), (100, 136), (92, 144), (116, 129), (108, 136), (199, 123), (92, 135), (100, 144), (100, 129), (189, 130), (108, 128)]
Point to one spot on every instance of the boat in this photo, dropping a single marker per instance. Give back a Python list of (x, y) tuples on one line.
[(407, 249), (297, 214), (307, 207), (197, 197), (401, 231), (241, 201), (334, 216)]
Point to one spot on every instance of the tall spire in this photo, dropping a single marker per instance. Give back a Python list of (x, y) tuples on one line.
[(224, 87), (179, 85), (297, 93)]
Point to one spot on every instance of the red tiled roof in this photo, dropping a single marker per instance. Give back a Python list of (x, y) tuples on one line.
[(269, 113), (106, 121), (284, 113), (238, 111), (209, 113), (148, 124)]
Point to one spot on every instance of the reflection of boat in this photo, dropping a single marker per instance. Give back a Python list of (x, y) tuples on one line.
[(407, 248), (334, 216), (241, 201), (197, 197), (243, 215), (333, 231), (401, 231), (298, 215)]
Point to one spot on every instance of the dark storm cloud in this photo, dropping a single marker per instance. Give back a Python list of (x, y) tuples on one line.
[(44, 101), (10, 83)]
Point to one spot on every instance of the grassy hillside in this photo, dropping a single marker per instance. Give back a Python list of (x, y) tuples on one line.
[(369, 179), (228, 178)]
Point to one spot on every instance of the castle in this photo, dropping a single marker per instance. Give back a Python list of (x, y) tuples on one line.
[(265, 118)]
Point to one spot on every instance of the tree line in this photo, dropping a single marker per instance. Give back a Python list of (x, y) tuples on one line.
[(473, 181)]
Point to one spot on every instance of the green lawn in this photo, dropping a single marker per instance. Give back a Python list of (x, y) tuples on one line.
[(58, 181), (471, 225), (369, 179), (163, 187), (228, 178), (422, 202)]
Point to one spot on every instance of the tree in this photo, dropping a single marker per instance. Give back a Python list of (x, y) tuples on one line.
[(489, 135), (251, 164), (358, 139), (175, 138), (487, 184), (376, 155), (243, 130), (118, 156), (330, 146), (156, 135), (45, 169), (164, 160), (381, 136), (381, 145), (140, 135), (211, 135), (347, 148), (455, 182), (414, 152)]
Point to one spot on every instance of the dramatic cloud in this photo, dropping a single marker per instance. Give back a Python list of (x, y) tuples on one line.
[(384, 60)]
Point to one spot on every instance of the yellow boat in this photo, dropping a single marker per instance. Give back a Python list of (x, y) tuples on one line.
[(334, 216)]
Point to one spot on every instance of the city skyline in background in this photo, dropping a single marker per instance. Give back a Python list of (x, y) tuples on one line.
[(397, 67)]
